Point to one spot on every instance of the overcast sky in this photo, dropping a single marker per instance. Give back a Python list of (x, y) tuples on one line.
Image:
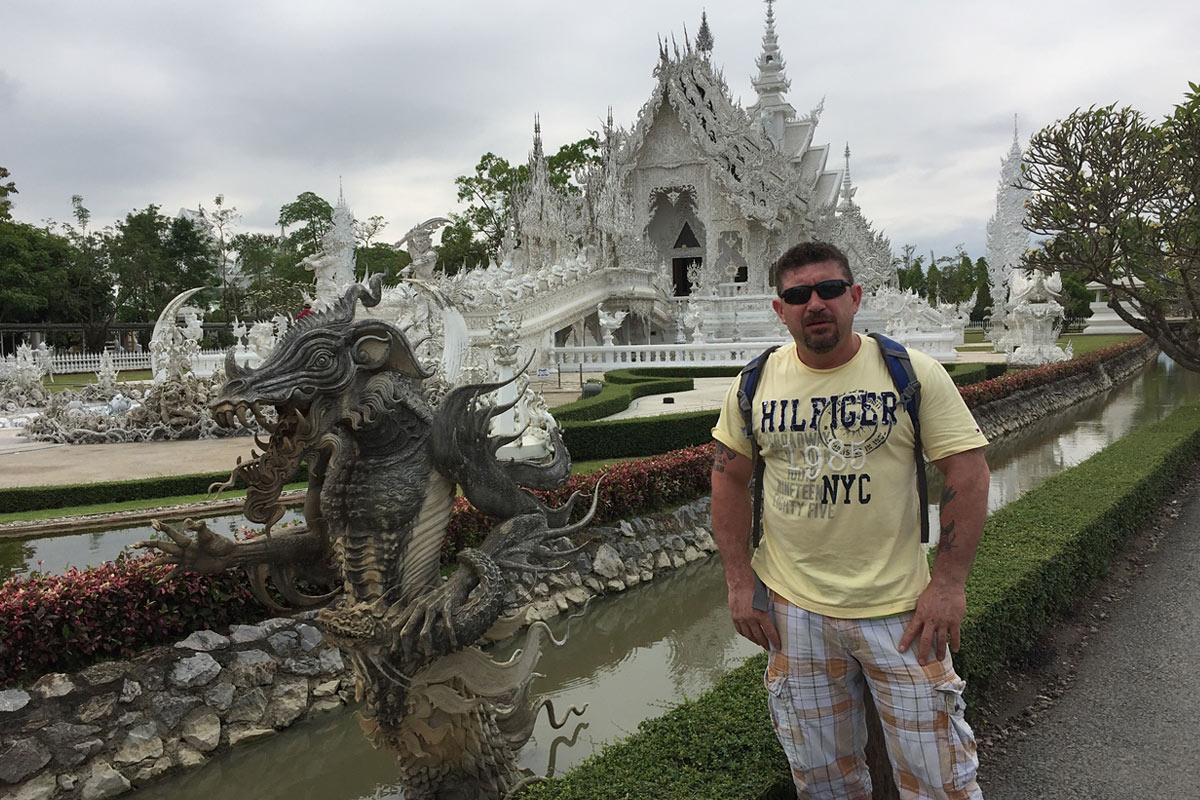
[(131, 103)]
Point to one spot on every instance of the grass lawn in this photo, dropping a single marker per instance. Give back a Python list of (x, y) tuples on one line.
[(1096, 341), (1083, 344), (73, 380)]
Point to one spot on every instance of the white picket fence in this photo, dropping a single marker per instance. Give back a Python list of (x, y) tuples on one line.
[(67, 363), (74, 363)]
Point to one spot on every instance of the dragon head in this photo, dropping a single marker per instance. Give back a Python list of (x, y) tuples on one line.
[(304, 386)]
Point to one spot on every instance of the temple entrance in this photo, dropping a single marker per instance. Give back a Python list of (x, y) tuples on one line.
[(678, 234), (680, 282)]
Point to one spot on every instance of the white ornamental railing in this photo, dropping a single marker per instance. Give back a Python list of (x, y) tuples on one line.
[(74, 363), (602, 357), (66, 363)]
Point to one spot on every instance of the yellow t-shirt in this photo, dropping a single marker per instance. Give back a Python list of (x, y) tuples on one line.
[(841, 535)]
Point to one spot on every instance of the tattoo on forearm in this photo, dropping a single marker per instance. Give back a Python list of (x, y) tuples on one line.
[(947, 539), (724, 455), (948, 494)]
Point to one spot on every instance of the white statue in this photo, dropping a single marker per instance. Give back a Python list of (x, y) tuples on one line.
[(262, 339), (172, 350), (420, 248), (333, 266), (1034, 318), (106, 376), (609, 322), (193, 327)]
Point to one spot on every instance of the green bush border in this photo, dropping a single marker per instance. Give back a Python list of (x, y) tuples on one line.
[(966, 374), (1037, 554), (34, 498)]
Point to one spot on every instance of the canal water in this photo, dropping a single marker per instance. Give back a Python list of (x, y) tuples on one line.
[(634, 655), (58, 553)]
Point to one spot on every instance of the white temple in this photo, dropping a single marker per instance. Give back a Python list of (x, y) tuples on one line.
[(676, 226)]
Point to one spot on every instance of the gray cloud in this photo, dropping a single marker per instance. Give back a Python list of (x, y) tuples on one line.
[(135, 102)]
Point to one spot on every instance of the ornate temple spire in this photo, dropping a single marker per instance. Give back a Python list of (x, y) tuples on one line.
[(771, 80), (1007, 238), (704, 39), (848, 189), (771, 83), (537, 137)]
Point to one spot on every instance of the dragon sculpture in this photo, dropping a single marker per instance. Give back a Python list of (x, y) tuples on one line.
[(345, 396)]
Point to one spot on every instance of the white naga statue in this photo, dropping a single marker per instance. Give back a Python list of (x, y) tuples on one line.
[(1034, 317)]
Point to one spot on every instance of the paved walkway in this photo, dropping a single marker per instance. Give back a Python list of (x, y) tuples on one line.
[(1129, 726), (26, 463)]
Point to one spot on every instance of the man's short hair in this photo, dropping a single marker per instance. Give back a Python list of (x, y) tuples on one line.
[(805, 253)]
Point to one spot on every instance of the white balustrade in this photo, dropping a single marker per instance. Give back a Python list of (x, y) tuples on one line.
[(717, 354), (74, 363)]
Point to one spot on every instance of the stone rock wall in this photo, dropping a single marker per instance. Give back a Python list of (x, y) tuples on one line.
[(118, 725), (1021, 409), (620, 557)]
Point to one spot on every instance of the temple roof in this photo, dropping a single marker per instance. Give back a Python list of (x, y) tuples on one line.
[(762, 175)]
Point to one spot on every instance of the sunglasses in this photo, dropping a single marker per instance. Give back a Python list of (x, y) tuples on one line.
[(826, 290)]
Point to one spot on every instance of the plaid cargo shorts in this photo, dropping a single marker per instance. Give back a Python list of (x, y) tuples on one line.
[(815, 685)]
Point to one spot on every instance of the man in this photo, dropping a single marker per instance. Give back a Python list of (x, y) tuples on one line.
[(851, 601)]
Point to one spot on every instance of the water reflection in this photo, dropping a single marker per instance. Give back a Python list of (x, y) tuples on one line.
[(1025, 459), (629, 658), (57, 553)]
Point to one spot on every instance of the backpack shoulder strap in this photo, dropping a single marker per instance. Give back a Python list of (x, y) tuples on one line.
[(747, 386), (900, 367)]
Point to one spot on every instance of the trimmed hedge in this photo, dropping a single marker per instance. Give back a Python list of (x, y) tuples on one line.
[(620, 389), (626, 385), (967, 374), (1042, 551), (33, 498), (1037, 555), (638, 436)]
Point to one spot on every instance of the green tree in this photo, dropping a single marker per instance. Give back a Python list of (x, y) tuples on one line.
[(5, 190), (154, 258), (983, 290), (1117, 194), (933, 283), (313, 214), (1076, 297), (460, 249), (385, 259), (33, 270), (373, 257), (910, 269), (90, 297), (489, 192), (222, 218)]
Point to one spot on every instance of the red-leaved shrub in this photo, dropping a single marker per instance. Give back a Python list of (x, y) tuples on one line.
[(54, 623)]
